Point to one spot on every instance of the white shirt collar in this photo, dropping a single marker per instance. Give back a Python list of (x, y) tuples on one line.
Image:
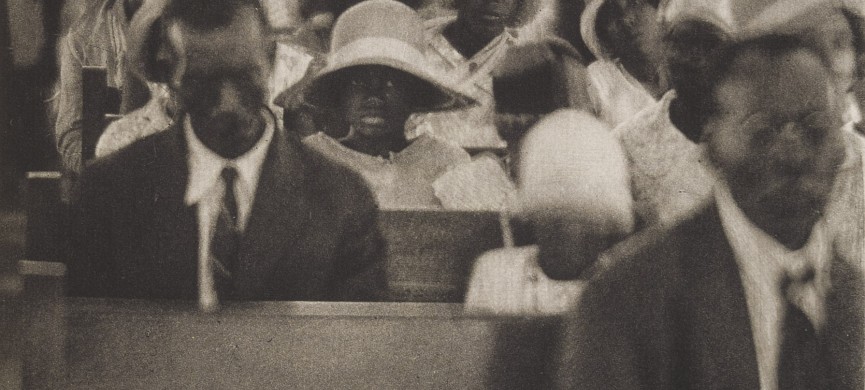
[(741, 231), (762, 262), (205, 166)]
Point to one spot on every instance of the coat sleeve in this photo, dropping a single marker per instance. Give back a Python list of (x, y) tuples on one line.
[(595, 351), (360, 256), (67, 129), (91, 255), (621, 334)]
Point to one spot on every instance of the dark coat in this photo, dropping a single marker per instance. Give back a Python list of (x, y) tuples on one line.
[(670, 313), (312, 232)]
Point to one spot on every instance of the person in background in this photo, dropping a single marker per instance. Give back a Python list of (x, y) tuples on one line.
[(376, 77), (750, 291), (309, 42), (468, 47), (223, 205), (629, 73), (98, 38)]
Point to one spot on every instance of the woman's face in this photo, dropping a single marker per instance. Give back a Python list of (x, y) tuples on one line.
[(376, 101), (642, 49), (777, 138), (487, 18)]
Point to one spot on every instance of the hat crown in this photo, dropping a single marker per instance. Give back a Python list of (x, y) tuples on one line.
[(744, 18), (378, 19)]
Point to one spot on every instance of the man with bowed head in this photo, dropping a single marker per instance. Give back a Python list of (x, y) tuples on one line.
[(222, 205)]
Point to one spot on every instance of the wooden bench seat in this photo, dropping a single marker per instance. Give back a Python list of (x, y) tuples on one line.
[(147, 345)]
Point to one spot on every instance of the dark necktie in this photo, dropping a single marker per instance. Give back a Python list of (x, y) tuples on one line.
[(225, 244), (800, 365)]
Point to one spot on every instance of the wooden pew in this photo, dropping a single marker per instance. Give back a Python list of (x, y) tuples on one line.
[(430, 252), (301, 345), (32, 327), (47, 217)]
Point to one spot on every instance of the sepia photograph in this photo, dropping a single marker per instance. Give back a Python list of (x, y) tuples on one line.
[(432, 194)]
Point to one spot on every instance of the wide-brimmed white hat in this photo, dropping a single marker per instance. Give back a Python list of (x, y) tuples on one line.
[(387, 33), (589, 29), (139, 54)]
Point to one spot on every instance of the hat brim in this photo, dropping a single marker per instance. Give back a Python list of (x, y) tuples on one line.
[(436, 92), (589, 29), (141, 29)]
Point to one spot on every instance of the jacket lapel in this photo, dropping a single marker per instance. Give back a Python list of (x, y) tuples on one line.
[(845, 327), (277, 218), (176, 224), (718, 348)]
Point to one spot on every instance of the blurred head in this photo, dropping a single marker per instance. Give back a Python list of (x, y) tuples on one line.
[(574, 190), (775, 134), (220, 60), (629, 30), (691, 47), (377, 101), (486, 19)]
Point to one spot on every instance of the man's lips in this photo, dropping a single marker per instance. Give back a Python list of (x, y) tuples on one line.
[(491, 17), (372, 120)]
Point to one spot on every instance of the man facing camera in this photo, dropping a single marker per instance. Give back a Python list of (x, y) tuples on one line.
[(222, 205), (750, 292)]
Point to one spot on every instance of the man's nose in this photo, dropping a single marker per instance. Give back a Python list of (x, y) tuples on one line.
[(797, 144), (229, 97), (375, 92)]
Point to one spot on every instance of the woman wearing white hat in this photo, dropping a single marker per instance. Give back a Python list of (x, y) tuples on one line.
[(625, 37), (376, 76)]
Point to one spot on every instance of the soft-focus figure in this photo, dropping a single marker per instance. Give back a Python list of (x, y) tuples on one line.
[(97, 38), (376, 77), (750, 292), (468, 47), (574, 191), (629, 73), (222, 205)]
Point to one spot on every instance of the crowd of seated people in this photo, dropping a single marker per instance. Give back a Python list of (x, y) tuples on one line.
[(684, 178)]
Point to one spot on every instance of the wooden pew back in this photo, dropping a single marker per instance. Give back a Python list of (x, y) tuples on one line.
[(301, 345), (430, 252), (32, 320), (47, 217)]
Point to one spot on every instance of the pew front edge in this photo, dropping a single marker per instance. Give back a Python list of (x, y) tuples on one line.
[(302, 345)]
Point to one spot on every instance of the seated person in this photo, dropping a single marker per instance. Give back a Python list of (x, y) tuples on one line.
[(750, 291), (377, 77), (468, 47), (223, 205), (629, 73), (97, 38), (574, 193)]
